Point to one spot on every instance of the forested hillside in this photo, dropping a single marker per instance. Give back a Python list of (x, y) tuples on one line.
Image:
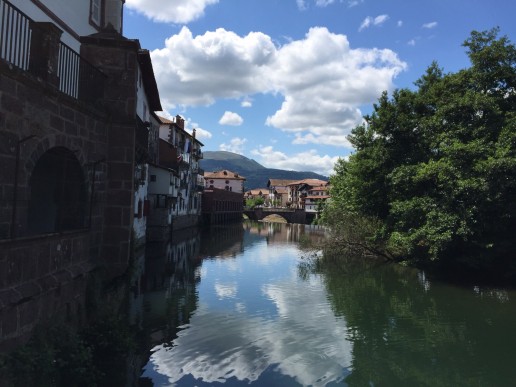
[(256, 174)]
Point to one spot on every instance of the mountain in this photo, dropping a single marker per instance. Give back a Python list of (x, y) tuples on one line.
[(256, 174)]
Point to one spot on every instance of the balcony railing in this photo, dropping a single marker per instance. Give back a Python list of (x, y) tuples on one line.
[(76, 77), (15, 35)]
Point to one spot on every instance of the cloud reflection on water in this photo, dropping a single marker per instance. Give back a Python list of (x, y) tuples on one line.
[(303, 339)]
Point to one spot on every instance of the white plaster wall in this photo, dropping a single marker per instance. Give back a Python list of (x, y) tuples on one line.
[(164, 131), (140, 224), (74, 13), (236, 185), (162, 184), (142, 105)]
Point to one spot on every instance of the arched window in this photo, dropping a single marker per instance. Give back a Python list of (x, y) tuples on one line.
[(57, 193)]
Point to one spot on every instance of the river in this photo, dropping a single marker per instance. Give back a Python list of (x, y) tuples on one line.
[(246, 305)]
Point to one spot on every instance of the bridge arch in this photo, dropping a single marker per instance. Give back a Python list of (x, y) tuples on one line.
[(275, 218), (57, 193), (290, 215)]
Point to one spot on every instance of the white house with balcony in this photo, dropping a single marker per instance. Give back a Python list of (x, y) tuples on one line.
[(183, 152), (315, 198), (298, 191)]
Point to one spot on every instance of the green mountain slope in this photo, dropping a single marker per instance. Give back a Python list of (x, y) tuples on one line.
[(256, 174)]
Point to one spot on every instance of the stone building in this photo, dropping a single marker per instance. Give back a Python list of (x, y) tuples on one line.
[(75, 115), (227, 180)]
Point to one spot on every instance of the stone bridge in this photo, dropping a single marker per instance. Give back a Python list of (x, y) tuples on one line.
[(290, 215)]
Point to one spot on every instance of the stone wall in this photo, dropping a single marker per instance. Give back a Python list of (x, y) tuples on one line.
[(42, 274), (41, 280), (219, 206)]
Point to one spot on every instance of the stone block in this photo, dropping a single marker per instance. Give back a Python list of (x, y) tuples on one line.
[(10, 297), (120, 171), (28, 313), (67, 113), (56, 122), (113, 216), (120, 198), (29, 290), (71, 128), (7, 85), (11, 104), (80, 119), (8, 322)]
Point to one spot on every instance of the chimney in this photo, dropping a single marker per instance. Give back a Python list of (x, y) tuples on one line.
[(180, 122), (193, 133), (113, 14)]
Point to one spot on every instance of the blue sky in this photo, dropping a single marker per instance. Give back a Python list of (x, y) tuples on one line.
[(285, 81)]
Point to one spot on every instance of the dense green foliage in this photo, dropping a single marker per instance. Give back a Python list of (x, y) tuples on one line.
[(253, 202), (435, 167)]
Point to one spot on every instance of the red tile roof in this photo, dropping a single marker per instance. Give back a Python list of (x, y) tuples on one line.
[(224, 174)]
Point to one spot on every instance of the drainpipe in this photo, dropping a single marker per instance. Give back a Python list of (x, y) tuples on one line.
[(15, 189)]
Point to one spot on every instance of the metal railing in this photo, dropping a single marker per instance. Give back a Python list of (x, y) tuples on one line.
[(15, 35), (77, 77)]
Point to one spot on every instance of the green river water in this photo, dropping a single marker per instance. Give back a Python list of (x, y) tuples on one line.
[(245, 305)]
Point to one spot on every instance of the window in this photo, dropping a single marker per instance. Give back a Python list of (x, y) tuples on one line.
[(152, 177), (161, 201), (96, 12), (140, 208)]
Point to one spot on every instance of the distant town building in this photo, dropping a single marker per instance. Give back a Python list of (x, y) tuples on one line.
[(221, 206), (226, 180), (298, 191), (316, 196), (257, 193), (278, 191)]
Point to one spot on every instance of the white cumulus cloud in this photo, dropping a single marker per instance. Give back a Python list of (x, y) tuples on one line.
[(219, 64), (236, 145), (323, 3), (303, 161), (202, 134), (247, 102), (354, 3), (230, 118), (429, 25), (171, 11), (370, 21), (323, 81)]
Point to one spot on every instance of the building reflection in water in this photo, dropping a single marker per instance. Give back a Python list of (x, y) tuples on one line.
[(164, 291), (162, 285)]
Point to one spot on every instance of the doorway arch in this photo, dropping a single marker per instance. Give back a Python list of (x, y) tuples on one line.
[(57, 193)]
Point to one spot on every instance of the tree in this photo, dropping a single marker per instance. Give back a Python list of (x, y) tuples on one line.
[(437, 166), (254, 202)]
